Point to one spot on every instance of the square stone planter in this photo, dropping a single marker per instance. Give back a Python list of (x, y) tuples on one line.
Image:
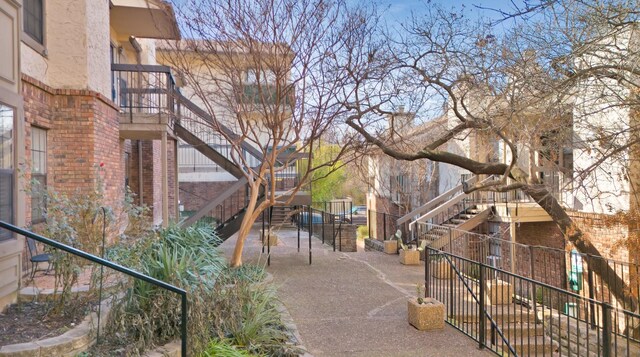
[(409, 257), (499, 292), (391, 246), (440, 269), (270, 238), (426, 316)]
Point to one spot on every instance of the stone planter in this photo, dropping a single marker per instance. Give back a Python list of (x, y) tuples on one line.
[(391, 246), (440, 269), (426, 316), (71, 343), (409, 257), (499, 292), (270, 238)]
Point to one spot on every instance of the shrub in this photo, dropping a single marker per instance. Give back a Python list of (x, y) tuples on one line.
[(221, 348), (363, 232), (245, 315), (83, 220), (148, 315)]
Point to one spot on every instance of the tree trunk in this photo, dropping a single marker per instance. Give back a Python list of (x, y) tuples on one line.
[(245, 226), (573, 234)]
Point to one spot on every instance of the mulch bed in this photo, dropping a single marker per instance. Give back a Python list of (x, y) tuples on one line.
[(31, 321)]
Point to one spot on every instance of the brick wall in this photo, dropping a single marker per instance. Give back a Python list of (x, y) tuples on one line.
[(82, 133), (151, 167), (606, 239), (345, 235), (549, 265), (194, 195)]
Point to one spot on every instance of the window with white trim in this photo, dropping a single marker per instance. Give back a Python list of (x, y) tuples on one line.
[(38, 173), (7, 116)]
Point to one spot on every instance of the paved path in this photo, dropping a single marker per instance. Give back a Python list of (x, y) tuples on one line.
[(352, 304)]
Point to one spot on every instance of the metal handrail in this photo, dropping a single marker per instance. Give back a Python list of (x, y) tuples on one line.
[(114, 266), (537, 283), (479, 301), (607, 330), (446, 196)]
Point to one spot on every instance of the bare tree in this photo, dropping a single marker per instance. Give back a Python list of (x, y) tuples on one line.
[(564, 79), (266, 72)]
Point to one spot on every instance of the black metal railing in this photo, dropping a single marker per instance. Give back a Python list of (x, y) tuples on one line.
[(143, 89), (327, 225), (151, 89), (580, 273), (383, 225), (220, 213), (301, 216), (515, 315), (111, 265)]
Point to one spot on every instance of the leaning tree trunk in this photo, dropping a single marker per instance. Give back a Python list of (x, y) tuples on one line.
[(246, 225), (550, 204)]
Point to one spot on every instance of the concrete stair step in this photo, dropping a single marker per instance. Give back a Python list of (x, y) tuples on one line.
[(519, 330), (432, 237), (538, 346), (500, 314)]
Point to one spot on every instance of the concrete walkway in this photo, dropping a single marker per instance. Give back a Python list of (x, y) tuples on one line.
[(352, 304)]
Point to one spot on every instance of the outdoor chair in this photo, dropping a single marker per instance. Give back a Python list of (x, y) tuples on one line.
[(36, 258)]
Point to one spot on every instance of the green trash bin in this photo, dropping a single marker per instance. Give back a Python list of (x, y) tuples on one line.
[(575, 274)]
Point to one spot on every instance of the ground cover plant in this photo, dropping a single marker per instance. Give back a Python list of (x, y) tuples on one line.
[(230, 309)]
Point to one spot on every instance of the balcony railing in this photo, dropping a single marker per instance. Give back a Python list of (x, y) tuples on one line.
[(151, 89)]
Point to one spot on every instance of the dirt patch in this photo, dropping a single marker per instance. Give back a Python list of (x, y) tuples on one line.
[(31, 321)]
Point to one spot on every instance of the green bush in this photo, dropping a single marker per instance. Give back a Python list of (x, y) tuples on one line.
[(363, 232), (218, 348), (245, 315), (148, 315), (232, 312)]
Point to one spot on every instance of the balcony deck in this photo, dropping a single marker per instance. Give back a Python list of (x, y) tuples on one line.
[(145, 126)]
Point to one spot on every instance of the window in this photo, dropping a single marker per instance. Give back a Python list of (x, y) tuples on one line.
[(34, 20), (38, 173), (6, 168), (259, 87)]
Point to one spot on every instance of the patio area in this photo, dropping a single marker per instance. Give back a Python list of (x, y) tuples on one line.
[(351, 304)]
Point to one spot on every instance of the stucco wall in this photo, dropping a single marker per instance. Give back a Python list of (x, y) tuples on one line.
[(77, 47)]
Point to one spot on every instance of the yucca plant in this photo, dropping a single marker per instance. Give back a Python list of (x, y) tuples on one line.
[(148, 315)]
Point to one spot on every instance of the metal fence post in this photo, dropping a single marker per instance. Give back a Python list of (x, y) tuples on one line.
[(606, 330), (269, 238), (263, 223), (384, 226), (323, 214), (482, 322), (333, 231), (310, 243), (369, 222), (592, 307), (452, 277), (298, 224), (427, 276)]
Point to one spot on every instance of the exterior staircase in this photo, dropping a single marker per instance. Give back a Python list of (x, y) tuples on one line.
[(445, 218), (517, 324), (148, 92), (281, 216), (438, 236)]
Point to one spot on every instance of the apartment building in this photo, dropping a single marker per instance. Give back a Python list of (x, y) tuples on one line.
[(63, 120)]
